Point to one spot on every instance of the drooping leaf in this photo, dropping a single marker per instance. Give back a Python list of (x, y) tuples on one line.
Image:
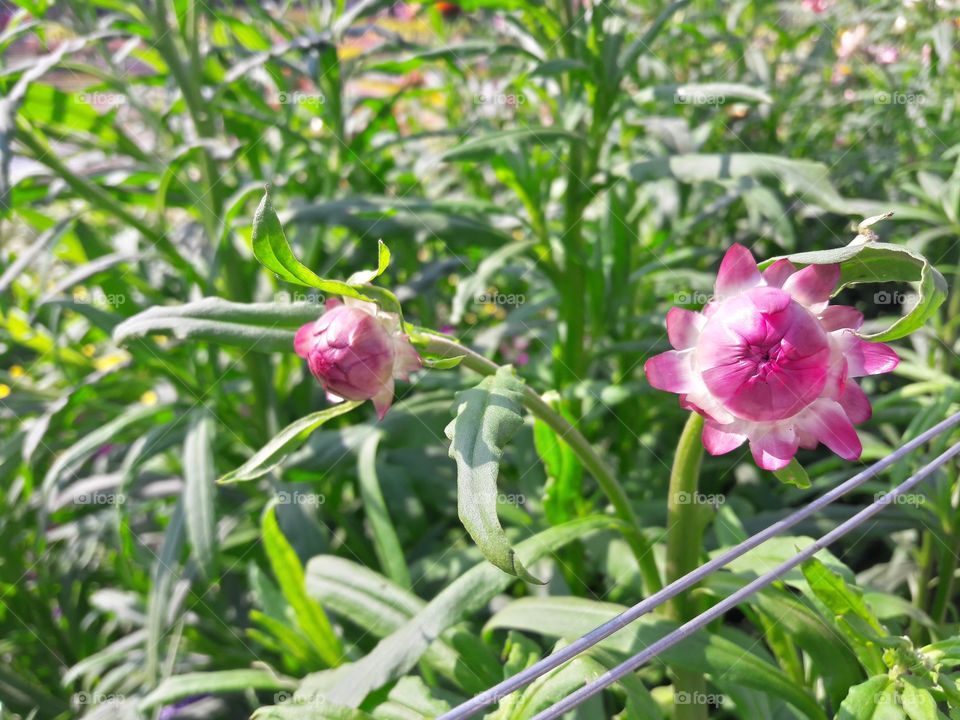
[(199, 485), (187, 685), (487, 417), (877, 262)]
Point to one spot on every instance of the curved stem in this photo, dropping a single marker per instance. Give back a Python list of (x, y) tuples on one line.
[(684, 540), (581, 447)]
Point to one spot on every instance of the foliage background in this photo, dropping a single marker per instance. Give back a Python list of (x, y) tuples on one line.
[(550, 178)]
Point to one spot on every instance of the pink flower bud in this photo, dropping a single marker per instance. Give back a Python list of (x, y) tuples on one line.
[(356, 350), (770, 362)]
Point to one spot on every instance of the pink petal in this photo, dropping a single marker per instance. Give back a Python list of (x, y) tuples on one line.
[(670, 371), (407, 360), (868, 358), (814, 284), (738, 272), (773, 447), (827, 421), (303, 340), (776, 275), (683, 328), (855, 402), (717, 440), (383, 399), (837, 317)]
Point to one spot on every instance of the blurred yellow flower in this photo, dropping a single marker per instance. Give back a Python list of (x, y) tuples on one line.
[(149, 398)]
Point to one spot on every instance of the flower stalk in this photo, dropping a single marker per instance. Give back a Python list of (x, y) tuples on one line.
[(684, 540)]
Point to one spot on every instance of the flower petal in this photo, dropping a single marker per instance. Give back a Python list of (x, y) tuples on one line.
[(719, 439), (776, 275), (683, 327), (773, 446), (670, 371), (827, 421), (383, 399), (855, 402), (738, 272), (838, 317), (303, 340), (814, 284), (406, 359), (868, 358)]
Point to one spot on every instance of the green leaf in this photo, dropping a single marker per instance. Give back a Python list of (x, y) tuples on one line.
[(200, 483), (271, 248), (397, 654), (877, 262), (265, 327), (285, 442), (702, 93), (473, 285), (480, 148), (874, 699), (793, 474), (487, 416), (385, 542), (917, 702), (570, 617), (289, 574), (187, 685)]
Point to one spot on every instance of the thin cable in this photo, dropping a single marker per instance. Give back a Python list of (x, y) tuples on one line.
[(525, 677), (703, 619)]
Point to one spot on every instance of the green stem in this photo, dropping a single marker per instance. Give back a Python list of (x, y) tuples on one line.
[(684, 540), (581, 447)]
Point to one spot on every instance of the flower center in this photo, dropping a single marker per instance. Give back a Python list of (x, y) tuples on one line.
[(763, 355)]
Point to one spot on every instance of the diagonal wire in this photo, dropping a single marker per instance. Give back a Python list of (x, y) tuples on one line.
[(700, 621), (525, 677)]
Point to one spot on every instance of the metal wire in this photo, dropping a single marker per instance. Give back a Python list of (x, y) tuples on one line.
[(525, 677), (700, 621)]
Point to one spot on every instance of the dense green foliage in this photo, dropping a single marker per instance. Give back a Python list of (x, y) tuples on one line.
[(549, 177)]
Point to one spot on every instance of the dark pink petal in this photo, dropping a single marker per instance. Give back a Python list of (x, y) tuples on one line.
[(776, 275), (303, 340), (718, 440), (837, 317), (683, 328), (670, 371), (814, 284), (773, 447), (383, 399), (738, 272), (827, 421), (868, 358), (855, 402)]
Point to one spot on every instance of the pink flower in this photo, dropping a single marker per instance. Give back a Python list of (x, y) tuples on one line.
[(816, 6), (770, 362), (885, 54), (356, 350)]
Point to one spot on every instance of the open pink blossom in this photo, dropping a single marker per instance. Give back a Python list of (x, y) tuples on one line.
[(769, 361), (356, 351)]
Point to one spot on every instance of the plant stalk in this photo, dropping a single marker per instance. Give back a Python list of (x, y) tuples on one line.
[(684, 541)]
